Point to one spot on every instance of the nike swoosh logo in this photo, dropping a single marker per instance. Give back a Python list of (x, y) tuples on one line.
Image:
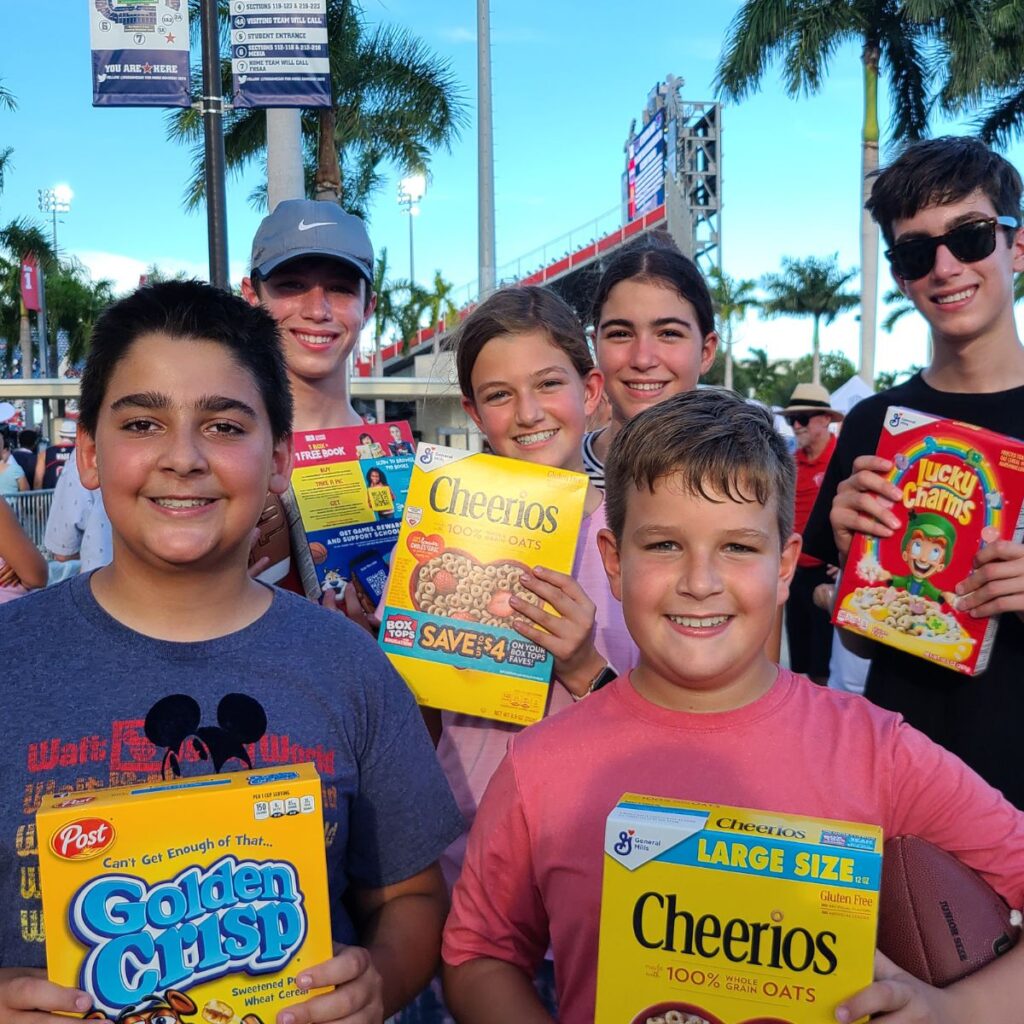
[(303, 226)]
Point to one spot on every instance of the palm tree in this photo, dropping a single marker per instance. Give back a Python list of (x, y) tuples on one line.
[(17, 239), (385, 313), (997, 79), (442, 305), (7, 99), (393, 101), (409, 314), (732, 300), (809, 287), (74, 302), (903, 40), (764, 372)]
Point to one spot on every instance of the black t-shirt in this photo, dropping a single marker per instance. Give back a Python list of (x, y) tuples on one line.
[(977, 717)]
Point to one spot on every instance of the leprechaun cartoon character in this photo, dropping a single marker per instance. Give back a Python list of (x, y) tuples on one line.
[(927, 548)]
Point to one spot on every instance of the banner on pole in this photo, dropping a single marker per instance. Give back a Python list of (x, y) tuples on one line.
[(139, 53), (279, 53), (30, 296)]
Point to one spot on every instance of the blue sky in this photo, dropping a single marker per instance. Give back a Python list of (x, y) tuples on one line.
[(568, 77)]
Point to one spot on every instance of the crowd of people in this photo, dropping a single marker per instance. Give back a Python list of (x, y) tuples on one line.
[(464, 855)]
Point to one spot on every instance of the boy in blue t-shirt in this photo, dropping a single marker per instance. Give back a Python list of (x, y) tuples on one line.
[(171, 661)]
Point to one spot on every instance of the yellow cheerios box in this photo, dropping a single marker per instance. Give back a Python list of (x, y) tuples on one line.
[(719, 915), (472, 524), (196, 901)]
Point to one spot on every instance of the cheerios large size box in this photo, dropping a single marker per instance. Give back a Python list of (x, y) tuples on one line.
[(472, 524), (198, 901), (963, 488), (720, 915)]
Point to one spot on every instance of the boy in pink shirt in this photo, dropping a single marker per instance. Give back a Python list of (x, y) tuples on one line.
[(700, 550)]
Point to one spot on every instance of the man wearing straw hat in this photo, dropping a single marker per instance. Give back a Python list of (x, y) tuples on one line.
[(808, 629)]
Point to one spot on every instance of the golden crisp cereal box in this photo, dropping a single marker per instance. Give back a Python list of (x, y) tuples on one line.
[(472, 524), (199, 899), (719, 915), (963, 488)]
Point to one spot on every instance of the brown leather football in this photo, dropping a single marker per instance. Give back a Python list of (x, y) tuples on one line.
[(938, 919)]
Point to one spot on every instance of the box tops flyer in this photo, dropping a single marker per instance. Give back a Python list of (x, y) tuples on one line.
[(347, 497), (963, 488), (473, 523)]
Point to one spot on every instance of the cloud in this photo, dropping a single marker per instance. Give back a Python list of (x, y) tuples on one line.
[(458, 34), (125, 271)]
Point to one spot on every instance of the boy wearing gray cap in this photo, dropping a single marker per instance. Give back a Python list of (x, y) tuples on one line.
[(312, 270)]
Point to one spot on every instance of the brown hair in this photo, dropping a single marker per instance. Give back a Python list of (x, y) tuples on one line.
[(715, 442), (517, 311), (935, 172)]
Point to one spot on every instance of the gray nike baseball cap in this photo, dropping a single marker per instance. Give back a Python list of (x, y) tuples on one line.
[(308, 227)]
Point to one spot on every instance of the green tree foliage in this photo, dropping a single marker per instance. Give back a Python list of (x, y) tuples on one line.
[(394, 101), (916, 45), (17, 239), (811, 287)]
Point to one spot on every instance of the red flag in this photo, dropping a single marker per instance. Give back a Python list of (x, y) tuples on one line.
[(30, 282)]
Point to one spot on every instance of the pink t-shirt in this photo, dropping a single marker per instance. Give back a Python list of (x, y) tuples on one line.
[(472, 748), (532, 873)]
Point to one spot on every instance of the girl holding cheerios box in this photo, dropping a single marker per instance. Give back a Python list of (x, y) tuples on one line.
[(529, 383)]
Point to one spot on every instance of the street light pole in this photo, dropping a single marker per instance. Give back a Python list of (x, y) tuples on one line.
[(213, 140), (53, 201), (410, 191), (485, 151)]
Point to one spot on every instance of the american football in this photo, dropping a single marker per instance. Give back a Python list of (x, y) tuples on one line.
[(938, 919)]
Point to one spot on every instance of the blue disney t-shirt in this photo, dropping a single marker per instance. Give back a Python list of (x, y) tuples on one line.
[(95, 704)]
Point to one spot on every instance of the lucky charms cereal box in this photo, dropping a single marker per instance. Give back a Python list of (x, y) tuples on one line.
[(963, 488), (472, 524), (719, 915), (196, 901)]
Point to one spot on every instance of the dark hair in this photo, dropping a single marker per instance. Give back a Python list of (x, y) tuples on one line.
[(718, 444), (517, 311), (935, 172), (380, 473), (189, 311), (366, 436), (657, 259), (28, 439)]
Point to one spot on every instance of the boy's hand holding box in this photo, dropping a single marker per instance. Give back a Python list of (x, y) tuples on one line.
[(719, 915), (472, 525), (204, 897)]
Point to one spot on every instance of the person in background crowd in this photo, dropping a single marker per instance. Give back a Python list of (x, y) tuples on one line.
[(25, 452), (12, 476), (808, 628), (51, 461)]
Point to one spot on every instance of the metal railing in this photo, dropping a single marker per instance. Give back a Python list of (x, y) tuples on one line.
[(32, 509)]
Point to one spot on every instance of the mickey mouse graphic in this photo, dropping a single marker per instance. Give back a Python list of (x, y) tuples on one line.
[(173, 723)]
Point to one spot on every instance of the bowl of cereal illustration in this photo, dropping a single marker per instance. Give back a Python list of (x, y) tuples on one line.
[(918, 624), (674, 1012), (455, 585)]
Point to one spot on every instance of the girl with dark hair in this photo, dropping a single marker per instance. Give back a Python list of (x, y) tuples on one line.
[(654, 335)]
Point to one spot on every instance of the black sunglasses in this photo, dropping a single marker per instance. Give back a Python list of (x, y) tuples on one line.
[(968, 243), (801, 419)]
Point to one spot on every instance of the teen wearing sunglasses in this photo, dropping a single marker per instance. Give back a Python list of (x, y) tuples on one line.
[(948, 209)]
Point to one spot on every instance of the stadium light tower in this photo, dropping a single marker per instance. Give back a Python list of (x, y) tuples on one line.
[(53, 201), (410, 191)]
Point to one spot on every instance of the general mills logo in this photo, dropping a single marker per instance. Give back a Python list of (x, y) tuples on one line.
[(624, 847), (896, 418), (426, 455)]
